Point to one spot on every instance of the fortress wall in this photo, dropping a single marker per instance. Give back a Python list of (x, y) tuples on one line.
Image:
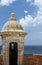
[(29, 59), (33, 59), (1, 59)]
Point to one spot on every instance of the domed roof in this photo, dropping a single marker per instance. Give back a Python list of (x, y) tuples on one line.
[(12, 24)]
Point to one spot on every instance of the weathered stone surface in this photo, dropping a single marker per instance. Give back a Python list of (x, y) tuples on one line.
[(12, 31), (28, 59), (1, 59), (5, 50), (33, 59)]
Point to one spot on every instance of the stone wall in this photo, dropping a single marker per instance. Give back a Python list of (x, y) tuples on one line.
[(33, 59), (20, 47), (1, 59), (29, 59)]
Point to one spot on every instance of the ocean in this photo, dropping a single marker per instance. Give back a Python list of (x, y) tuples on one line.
[(32, 49)]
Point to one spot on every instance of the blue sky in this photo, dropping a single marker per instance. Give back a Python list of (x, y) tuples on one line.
[(29, 15)]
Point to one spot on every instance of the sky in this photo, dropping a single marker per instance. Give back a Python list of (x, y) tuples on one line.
[(29, 15)]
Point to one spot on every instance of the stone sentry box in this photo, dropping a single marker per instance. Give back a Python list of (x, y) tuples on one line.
[(12, 31)]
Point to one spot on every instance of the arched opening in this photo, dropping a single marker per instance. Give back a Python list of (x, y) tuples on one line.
[(13, 52)]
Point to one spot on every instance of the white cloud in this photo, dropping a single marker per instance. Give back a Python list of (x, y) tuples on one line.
[(40, 32), (28, 0), (39, 3), (25, 11), (34, 39), (6, 2), (29, 21), (26, 22)]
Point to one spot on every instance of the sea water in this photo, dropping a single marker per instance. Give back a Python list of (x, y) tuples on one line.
[(32, 49)]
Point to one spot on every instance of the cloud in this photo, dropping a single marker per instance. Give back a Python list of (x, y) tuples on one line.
[(25, 11), (28, 0), (34, 39), (6, 2), (34, 25), (40, 32), (29, 21), (38, 3)]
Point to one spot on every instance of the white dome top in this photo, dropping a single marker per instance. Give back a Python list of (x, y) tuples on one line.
[(12, 24)]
